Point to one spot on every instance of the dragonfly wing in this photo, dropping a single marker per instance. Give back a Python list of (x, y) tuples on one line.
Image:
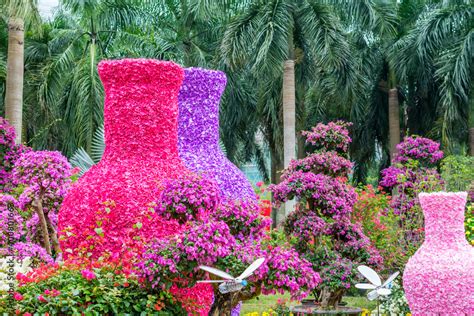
[(365, 286), (211, 281), (390, 279), (370, 275), (217, 272), (383, 291), (254, 266), (372, 295)]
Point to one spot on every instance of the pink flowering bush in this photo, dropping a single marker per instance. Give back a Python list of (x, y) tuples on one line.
[(412, 171), (188, 198), (333, 136), (230, 238), (33, 186), (44, 177), (320, 227), (9, 153)]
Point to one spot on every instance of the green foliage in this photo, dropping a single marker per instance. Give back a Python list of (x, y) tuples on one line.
[(109, 293), (458, 172), (372, 211), (469, 223)]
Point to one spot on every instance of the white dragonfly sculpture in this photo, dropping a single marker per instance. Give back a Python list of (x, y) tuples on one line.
[(378, 288), (231, 284)]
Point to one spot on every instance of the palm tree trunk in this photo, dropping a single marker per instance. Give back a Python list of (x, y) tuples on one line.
[(289, 119), (471, 141), (14, 81), (393, 120)]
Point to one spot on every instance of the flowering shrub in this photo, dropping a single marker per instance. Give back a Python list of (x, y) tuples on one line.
[(379, 223), (333, 136), (412, 172), (230, 239), (188, 198), (320, 227), (45, 177), (421, 149), (9, 153), (74, 289)]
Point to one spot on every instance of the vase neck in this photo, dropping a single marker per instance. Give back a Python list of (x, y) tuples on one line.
[(199, 98), (141, 107), (444, 217)]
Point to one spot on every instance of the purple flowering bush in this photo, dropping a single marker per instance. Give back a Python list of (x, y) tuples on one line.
[(33, 186), (413, 170), (190, 198), (320, 227), (9, 153), (230, 238)]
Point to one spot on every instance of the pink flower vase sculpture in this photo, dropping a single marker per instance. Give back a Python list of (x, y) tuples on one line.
[(198, 133), (140, 118), (439, 278)]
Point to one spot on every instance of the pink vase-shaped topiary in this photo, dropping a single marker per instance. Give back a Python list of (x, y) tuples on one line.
[(140, 119), (198, 133), (439, 278)]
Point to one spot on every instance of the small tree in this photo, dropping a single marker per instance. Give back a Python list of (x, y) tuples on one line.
[(320, 227), (44, 177), (228, 236), (413, 170)]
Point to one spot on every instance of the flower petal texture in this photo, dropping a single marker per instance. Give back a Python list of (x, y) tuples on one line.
[(439, 278), (198, 132), (140, 118)]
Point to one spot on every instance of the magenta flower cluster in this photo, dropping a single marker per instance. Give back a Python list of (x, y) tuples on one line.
[(321, 221), (329, 196), (244, 222), (45, 175), (190, 197), (9, 153), (333, 136), (328, 162), (418, 148)]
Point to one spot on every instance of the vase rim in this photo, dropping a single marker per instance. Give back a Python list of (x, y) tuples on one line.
[(205, 71)]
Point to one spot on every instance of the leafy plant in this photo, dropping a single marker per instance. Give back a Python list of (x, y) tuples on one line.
[(458, 172), (99, 290)]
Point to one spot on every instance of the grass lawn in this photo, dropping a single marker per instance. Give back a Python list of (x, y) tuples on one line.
[(265, 302)]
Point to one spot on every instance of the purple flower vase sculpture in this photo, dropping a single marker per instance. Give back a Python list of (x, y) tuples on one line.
[(439, 278), (198, 133)]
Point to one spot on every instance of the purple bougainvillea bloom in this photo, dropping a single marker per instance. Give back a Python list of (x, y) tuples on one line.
[(198, 132)]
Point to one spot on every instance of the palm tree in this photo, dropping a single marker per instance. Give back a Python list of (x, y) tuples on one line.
[(286, 45), (434, 61), (63, 69), (16, 12)]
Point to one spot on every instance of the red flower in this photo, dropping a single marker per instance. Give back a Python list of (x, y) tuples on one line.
[(17, 296), (41, 298)]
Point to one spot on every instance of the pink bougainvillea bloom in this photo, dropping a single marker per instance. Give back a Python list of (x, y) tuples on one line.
[(259, 184), (439, 278), (17, 296), (88, 274), (41, 298), (27, 314)]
